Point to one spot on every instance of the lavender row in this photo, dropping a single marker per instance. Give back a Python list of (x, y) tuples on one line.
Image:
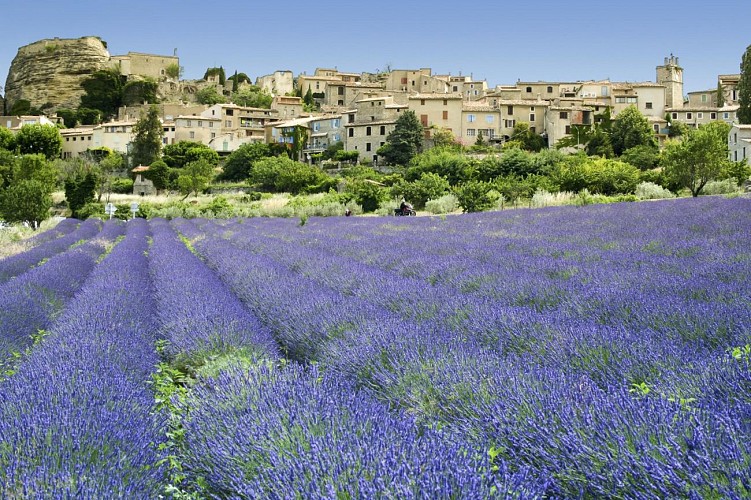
[(543, 337), (314, 435), (439, 381), (62, 228), (197, 314), (31, 301), (17, 264), (77, 420), (331, 421)]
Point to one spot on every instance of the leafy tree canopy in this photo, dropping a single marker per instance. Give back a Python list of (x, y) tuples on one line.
[(38, 138), (140, 92), (195, 177), (529, 140), (252, 96), (104, 91), (239, 163), (147, 137), (405, 141), (210, 96), (631, 129), (178, 154)]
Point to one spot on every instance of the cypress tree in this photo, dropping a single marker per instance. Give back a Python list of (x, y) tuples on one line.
[(744, 89)]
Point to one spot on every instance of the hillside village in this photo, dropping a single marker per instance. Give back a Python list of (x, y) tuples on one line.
[(360, 109)]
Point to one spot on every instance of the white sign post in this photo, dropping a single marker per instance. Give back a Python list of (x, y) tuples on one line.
[(133, 209), (110, 209)]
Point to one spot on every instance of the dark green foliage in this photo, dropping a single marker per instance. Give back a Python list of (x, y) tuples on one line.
[(209, 96), (744, 89), (69, 116), (332, 150), (158, 173), (514, 187), (177, 155), (642, 157), (308, 99), (42, 139), (87, 116), (239, 78), (346, 156), (740, 171), (27, 200), (239, 163), (452, 165), (476, 196), (369, 195), (122, 185), (215, 72), (283, 175), (79, 190), (530, 141), (631, 129), (7, 139), (147, 138), (195, 177), (140, 92), (104, 91), (429, 186), (600, 145), (252, 96), (23, 107), (404, 142)]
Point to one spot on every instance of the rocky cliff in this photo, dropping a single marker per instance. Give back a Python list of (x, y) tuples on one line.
[(48, 73)]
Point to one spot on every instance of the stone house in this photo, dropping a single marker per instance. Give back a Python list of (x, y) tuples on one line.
[(149, 65), (368, 125), (141, 185), (277, 84), (76, 140), (479, 118), (437, 111), (739, 142)]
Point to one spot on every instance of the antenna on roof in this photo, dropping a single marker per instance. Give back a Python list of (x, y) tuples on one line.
[(174, 51)]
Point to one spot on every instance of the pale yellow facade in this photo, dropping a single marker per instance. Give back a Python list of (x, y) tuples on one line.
[(76, 141), (438, 111)]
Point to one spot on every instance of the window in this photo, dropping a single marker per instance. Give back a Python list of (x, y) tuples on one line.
[(456, 89), (190, 123), (656, 127), (445, 115), (211, 124), (532, 117), (367, 146), (228, 123), (351, 132), (531, 109), (404, 80), (568, 129), (734, 94), (229, 112), (318, 86), (725, 115), (604, 91), (648, 105), (213, 134), (67, 139), (337, 138), (422, 102), (367, 131), (445, 102), (689, 116), (335, 123), (200, 123), (340, 102), (413, 83), (712, 116), (340, 90), (675, 116), (192, 135), (704, 98), (563, 115), (510, 110), (74, 139), (470, 118), (424, 120), (509, 123), (529, 90), (699, 116), (383, 130), (470, 132), (549, 89), (351, 118), (489, 118), (491, 133)]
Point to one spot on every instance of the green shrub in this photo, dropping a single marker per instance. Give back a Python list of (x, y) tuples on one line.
[(443, 205), (476, 196), (122, 186), (726, 186), (652, 191)]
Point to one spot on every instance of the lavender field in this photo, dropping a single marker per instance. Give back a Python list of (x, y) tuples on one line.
[(570, 352)]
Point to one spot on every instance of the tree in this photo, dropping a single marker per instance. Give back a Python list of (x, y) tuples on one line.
[(174, 71), (158, 174), (476, 196), (7, 139), (37, 138), (104, 91), (79, 190), (429, 186), (26, 201), (630, 129), (178, 154), (195, 177), (252, 96), (744, 89), (405, 141), (210, 96), (642, 157), (443, 138), (139, 92), (700, 157), (529, 140), (108, 164), (239, 164), (284, 175), (69, 116), (147, 137)]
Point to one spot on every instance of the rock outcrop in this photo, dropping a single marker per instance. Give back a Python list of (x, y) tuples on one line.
[(48, 73)]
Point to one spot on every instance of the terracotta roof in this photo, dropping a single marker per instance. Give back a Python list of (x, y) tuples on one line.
[(140, 168)]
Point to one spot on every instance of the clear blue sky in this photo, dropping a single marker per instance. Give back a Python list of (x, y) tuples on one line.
[(496, 40)]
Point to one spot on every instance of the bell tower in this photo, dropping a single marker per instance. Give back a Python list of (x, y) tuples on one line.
[(671, 76)]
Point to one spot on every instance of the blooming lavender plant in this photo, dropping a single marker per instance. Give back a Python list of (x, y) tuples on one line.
[(77, 419)]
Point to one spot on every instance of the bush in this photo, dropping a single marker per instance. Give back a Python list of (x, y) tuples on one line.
[(652, 191), (443, 205), (543, 198), (122, 186), (727, 186), (476, 196), (429, 186)]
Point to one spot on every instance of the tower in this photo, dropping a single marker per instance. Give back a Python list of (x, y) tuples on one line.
[(671, 76)]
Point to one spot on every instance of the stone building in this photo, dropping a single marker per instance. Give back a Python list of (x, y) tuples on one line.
[(368, 125)]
